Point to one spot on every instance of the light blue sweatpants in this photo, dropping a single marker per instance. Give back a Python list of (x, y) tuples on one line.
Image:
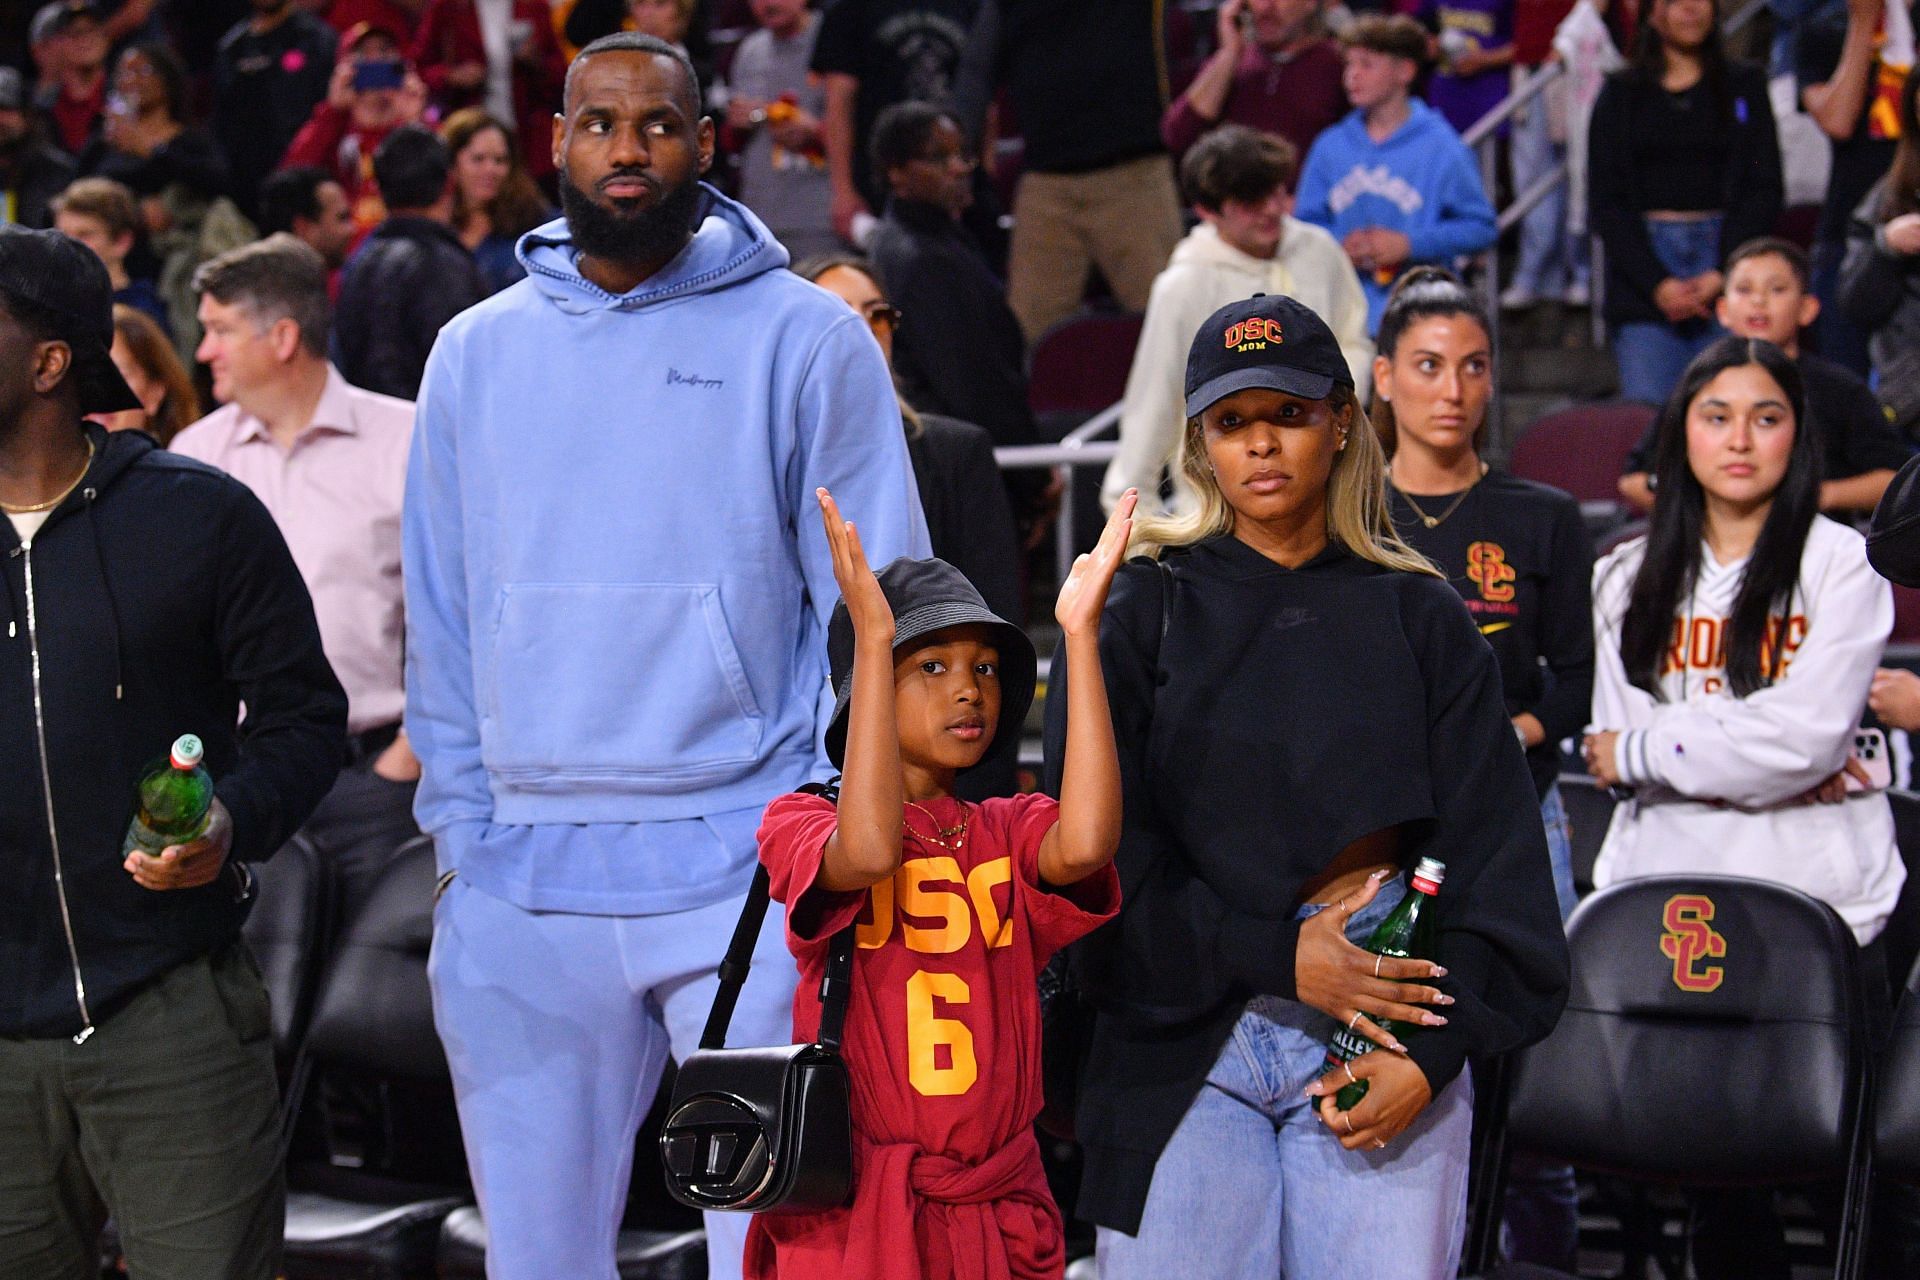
[(557, 1028)]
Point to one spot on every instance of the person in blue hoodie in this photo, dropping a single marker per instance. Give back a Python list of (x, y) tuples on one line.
[(1392, 181), (617, 602)]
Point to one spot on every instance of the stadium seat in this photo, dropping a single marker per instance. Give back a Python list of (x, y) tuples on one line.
[(1589, 811), (374, 1018), (1906, 616), (1582, 450), (1714, 1037), (1080, 367), (1897, 1115), (638, 1255), (286, 931)]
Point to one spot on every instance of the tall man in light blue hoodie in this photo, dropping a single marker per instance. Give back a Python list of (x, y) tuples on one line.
[(1392, 181), (617, 596)]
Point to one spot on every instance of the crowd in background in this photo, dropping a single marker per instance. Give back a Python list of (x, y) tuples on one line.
[(292, 198)]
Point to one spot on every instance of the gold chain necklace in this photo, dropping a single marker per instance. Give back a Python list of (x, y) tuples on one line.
[(1433, 521), (57, 498), (939, 838)]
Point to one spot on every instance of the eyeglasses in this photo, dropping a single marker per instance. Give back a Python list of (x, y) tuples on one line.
[(883, 315)]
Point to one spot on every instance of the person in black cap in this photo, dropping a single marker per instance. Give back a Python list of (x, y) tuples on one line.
[(928, 682), (1303, 708), (146, 596)]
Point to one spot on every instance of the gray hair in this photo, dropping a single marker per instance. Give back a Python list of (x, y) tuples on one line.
[(278, 278)]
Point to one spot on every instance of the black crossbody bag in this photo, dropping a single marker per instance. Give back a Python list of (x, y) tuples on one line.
[(764, 1130)]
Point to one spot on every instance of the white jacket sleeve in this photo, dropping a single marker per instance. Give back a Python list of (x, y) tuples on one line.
[(1777, 742), (1347, 317), (1153, 412)]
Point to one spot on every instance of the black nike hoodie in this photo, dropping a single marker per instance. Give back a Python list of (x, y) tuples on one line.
[(155, 600)]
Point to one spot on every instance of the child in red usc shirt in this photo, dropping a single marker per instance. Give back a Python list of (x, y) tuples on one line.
[(956, 907)]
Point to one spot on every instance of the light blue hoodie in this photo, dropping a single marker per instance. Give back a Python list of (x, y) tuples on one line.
[(1421, 182), (617, 583)]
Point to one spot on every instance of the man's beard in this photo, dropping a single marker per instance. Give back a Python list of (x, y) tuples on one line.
[(650, 234)]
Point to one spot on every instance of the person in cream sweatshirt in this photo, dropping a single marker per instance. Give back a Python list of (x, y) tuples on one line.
[(1240, 183)]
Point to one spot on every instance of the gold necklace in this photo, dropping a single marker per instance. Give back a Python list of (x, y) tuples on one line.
[(942, 832), (1432, 521), (57, 498)]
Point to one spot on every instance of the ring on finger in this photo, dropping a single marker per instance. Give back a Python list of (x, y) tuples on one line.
[(1351, 1022), (1348, 1117), (1376, 963), (1348, 1068)]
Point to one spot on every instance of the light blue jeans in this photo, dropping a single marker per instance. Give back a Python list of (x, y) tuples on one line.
[(1652, 354), (1252, 1185), (1553, 815), (1550, 259)]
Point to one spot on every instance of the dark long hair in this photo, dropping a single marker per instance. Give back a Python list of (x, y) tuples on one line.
[(1650, 63), (1423, 293), (1902, 192), (1671, 564)]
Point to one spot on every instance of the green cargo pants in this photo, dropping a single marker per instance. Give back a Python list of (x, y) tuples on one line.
[(167, 1118)]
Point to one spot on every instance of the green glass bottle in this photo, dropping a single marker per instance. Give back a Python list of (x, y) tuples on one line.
[(175, 797), (1406, 933)]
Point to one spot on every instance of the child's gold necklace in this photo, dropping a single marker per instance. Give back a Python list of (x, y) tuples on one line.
[(942, 832)]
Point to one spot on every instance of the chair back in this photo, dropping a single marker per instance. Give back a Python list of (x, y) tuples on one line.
[(1896, 1143), (1080, 367), (286, 931), (375, 1011), (1582, 449), (1713, 1036)]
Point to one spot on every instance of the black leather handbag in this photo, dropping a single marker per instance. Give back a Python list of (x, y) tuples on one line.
[(764, 1130)]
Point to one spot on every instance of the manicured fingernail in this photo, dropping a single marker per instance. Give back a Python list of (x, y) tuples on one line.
[(1433, 1020), (1439, 972), (1379, 875), (1397, 1047), (1443, 998)]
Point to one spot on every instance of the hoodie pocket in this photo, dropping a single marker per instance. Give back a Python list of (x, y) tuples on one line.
[(633, 685)]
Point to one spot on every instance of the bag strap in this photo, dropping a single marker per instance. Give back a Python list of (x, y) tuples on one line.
[(1166, 616), (835, 985)]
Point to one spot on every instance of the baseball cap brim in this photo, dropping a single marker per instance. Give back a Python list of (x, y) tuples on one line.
[(102, 389), (1265, 377)]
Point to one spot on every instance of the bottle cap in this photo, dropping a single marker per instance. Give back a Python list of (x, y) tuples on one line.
[(1428, 875), (187, 752)]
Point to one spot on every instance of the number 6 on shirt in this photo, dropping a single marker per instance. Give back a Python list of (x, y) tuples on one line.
[(926, 1033)]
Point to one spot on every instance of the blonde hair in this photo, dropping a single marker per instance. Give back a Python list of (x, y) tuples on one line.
[(1357, 514)]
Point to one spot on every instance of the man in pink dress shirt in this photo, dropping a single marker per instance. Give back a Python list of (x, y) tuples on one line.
[(329, 460)]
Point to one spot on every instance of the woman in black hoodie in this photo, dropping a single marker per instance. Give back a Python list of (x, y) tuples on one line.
[(1303, 707)]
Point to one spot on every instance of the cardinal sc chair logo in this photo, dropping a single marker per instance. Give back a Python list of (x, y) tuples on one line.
[(1254, 334), (1691, 940)]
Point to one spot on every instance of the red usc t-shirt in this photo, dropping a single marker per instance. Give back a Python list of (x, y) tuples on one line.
[(942, 1043)]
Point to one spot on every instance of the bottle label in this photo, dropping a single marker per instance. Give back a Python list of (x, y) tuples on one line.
[(1347, 1045), (1423, 885)]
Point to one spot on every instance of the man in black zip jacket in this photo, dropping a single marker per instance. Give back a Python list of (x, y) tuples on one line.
[(145, 596)]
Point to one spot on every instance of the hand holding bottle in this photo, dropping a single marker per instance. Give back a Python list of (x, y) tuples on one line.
[(1354, 986), (190, 865), (1397, 1092)]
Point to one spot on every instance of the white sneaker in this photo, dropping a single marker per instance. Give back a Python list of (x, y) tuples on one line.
[(1517, 297), (1578, 295)]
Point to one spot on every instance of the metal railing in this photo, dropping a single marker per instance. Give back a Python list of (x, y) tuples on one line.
[(1078, 448)]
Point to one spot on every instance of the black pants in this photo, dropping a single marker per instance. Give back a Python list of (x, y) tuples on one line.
[(357, 827)]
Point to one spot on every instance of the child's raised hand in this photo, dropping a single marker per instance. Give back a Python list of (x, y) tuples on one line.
[(867, 605), (1084, 594)]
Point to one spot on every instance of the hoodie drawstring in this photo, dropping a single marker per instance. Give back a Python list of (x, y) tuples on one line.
[(113, 606)]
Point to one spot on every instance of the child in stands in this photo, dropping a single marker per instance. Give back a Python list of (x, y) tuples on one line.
[(943, 1027), (1769, 296)]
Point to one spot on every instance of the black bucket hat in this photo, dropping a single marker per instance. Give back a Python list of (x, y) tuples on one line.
[(927, 596), (1270, 342), (62, 278)]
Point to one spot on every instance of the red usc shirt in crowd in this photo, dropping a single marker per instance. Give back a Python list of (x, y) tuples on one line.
[(942, 1042)]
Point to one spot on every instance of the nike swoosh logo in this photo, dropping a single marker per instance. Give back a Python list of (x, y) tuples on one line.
[(1488, 628)]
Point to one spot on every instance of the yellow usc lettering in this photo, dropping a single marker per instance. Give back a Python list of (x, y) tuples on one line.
[(910, 893)]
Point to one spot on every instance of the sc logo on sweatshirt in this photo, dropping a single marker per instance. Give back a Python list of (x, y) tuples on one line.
[(1690, 940)]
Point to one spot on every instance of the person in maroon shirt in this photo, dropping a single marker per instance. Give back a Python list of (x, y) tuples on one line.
[(451, 52), (947, 1175), (1274, 69), (70, 44), (350, 123)]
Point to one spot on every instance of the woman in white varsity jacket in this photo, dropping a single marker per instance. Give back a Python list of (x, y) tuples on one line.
[(1734, 648)]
